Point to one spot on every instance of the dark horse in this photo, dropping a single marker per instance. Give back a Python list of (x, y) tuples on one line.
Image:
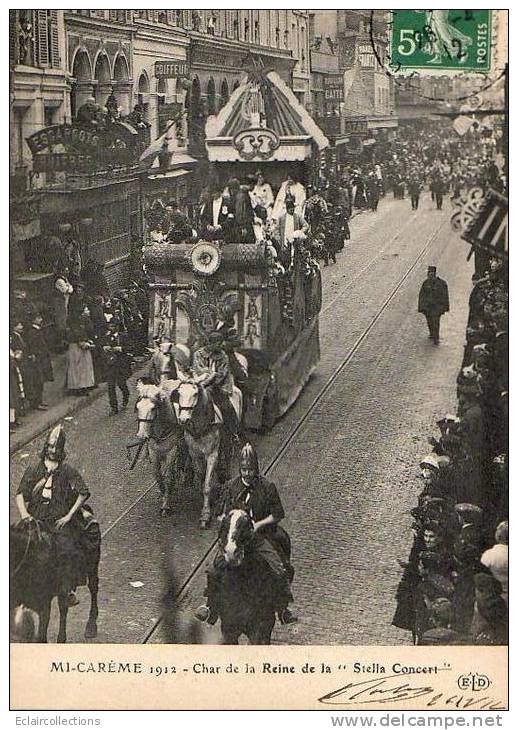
[(247, 596), (35, 575)]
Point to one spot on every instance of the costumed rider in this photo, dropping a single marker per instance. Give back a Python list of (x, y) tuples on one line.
[(259, 497), (211, 362), (54, 493)]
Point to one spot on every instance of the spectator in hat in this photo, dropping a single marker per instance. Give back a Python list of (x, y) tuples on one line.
[(62, 291), (39, 357), (433, 302), (27, 364), (117, 361), (441, 632), (496, 559), (489, 626)]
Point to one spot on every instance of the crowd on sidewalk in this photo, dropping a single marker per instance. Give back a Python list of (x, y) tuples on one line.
[(99, 331), (454, 587)]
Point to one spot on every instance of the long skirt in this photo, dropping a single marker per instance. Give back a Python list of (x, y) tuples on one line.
[(80, 371)]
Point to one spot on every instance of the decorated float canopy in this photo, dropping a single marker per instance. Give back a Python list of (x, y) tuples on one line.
[(263, 121)]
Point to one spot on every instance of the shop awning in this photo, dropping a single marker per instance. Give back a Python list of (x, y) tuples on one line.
[(262, 121)]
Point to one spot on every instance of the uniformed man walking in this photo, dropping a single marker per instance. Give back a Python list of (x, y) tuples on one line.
[(433, 302)]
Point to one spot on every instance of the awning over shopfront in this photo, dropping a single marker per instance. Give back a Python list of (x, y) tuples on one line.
[(262, 121)]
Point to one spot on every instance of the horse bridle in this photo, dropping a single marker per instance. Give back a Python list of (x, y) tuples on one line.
[(146, 420)]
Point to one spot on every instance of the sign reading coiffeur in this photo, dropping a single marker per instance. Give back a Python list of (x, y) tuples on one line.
[(171, 69)]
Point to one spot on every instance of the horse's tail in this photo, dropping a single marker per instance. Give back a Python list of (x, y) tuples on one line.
[(24, 626)]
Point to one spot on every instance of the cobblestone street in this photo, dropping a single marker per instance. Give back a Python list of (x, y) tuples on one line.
[(349, 477)]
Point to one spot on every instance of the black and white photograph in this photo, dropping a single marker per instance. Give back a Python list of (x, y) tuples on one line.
[(258, 327)]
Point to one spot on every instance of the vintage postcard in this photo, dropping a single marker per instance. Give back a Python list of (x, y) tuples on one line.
[(258, 359)]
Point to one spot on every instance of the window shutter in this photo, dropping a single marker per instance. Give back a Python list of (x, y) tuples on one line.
[(55, 58), (13, 38), (42, 38)]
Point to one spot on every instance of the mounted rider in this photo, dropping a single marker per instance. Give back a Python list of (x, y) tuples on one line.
[(259, 497), (169, 362), (211, 363), (54, 494)]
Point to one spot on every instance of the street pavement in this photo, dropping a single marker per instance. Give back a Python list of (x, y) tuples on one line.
[(347, 479)]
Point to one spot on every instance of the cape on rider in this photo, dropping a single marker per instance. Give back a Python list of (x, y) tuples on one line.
[(259, 497), (53, 493)]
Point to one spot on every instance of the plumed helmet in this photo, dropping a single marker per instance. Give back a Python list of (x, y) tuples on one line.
[(249, 459), (56, 440)]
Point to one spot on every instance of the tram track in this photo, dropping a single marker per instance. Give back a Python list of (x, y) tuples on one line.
[(346, 287), (190, 567), (182, 590)]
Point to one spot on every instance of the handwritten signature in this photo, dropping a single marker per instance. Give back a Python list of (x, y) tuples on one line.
[(394, 688)]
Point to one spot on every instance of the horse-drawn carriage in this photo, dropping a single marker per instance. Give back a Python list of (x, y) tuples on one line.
[(196, 288)]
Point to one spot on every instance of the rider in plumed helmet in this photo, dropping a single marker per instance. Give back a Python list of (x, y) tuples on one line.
[(53, 493), (259, 497)]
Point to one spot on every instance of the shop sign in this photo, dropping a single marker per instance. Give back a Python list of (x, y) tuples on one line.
[(334, 88), (79, 147), (355, 126), (171, 69)]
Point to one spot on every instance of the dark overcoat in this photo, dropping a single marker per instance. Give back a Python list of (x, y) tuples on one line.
[(433, 297)]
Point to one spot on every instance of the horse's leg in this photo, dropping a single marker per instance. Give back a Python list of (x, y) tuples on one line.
[(169, 478), (93, 587), (260, 632), (63, 611), (44, 618), (212, 460), (229, 634), (157, 458)]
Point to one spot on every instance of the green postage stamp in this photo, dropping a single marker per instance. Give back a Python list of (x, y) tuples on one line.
[(458, 40)]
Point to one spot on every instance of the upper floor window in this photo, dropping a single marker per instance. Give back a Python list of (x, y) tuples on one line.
[(34, 38)]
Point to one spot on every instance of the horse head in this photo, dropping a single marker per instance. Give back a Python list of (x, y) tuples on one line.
[(146, 408), (164, 360), (235, 534), (189, 393), (167, 356)]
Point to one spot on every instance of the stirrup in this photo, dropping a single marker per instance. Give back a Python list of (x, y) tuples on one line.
[(287, 617), (205, 615)]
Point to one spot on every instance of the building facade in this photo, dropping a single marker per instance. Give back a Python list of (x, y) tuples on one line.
[(39, 86), (147, 67)]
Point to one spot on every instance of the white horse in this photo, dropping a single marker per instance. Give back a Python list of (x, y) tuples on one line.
[(202, 422)]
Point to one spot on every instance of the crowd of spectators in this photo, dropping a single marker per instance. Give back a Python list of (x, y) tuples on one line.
[(76, 324), (454, 587)]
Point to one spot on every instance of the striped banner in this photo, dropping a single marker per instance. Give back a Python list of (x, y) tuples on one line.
[(489, 229)]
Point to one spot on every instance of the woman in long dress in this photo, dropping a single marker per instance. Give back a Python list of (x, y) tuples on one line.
[(290, 187), (80, 370)]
